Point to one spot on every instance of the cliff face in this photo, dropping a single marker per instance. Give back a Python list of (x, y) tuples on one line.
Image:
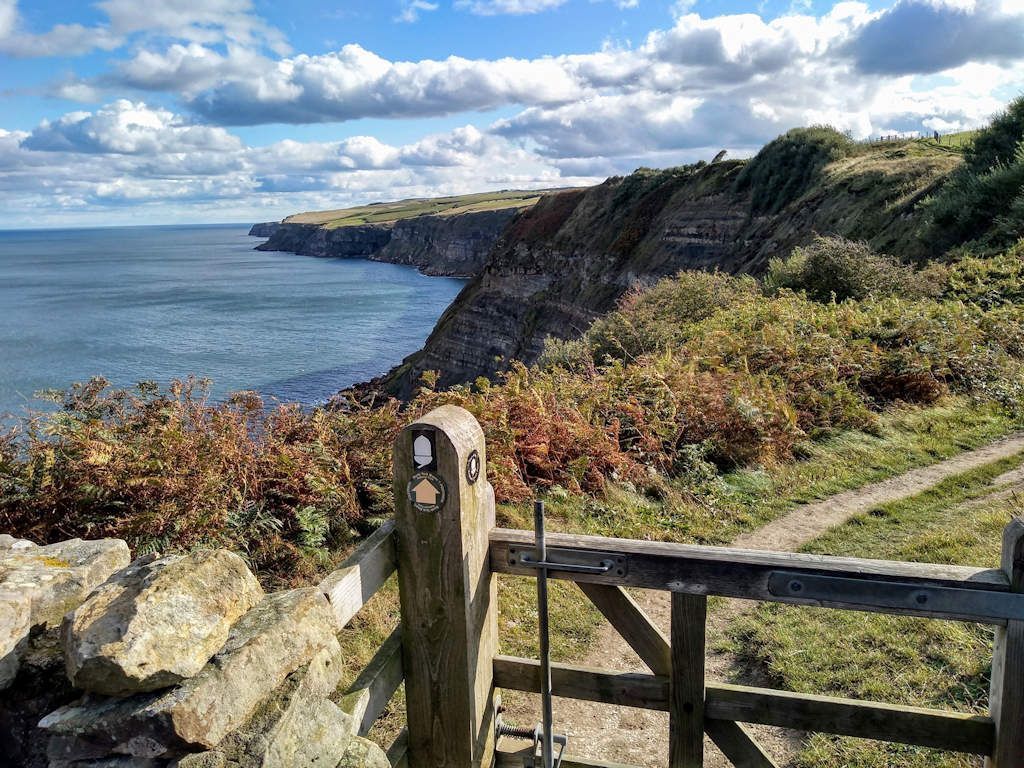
[(266, 229), (569, 258), (453, 245)]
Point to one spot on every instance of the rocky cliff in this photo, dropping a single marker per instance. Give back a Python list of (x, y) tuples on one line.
[(570, 257), (266, 229), (455, 245)]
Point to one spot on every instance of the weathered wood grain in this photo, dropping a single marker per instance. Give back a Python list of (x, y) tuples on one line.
[(1006, 696), (953, 731), (633, 624), (686, 687), (629, 689), (737, 745), (448, 598), (731, 572), (363, 573), (398, 752), (367, 697)]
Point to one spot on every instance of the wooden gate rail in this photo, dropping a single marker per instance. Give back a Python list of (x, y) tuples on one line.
[(950, 592), (348, 589), (955, 732)]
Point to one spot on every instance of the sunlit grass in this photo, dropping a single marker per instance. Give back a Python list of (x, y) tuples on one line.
[(919, 662)]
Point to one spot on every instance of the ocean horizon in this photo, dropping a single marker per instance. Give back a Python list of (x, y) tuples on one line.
[(159, 302)]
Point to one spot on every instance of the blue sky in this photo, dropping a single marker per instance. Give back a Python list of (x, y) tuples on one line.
[(118, 111)]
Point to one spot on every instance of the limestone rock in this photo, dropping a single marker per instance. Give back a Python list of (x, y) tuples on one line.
[(58, 577), (363, 753), (38, 585), (40, 687), (9, 542), (281, 634), (208, 759), (157, 622), (298, 726), (312, 730), (15, 623), (114, 762)]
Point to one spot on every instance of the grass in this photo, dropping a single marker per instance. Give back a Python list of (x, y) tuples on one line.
[(892, 659), (744, 499), (956, 142), (381, 213)]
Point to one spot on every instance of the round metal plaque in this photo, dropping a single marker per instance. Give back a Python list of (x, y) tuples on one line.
[(473, 467)]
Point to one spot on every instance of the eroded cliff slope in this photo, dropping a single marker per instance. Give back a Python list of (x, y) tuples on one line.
[(570, 257)]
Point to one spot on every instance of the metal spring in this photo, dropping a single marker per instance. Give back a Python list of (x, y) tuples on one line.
[(516, 732)]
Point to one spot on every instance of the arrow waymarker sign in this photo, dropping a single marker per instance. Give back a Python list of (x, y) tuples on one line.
[(426, 491)]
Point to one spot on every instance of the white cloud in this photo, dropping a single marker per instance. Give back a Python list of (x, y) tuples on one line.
[(507, 7), (920, 36), (684, 92), (8, 17), (129, 155), (185, 69), (354, 83), (695, 55), (411, 10), (206, 22), (125, 127)]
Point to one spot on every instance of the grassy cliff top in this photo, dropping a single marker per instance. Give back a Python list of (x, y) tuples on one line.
[(383, 213)]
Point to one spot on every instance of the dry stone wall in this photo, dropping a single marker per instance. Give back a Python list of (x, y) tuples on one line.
[(165, 662)]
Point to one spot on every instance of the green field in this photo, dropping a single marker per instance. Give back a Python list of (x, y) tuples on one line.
[(382, 213), (955, 142)]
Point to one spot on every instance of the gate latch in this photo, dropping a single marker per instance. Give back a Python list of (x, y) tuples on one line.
[(566, 560)]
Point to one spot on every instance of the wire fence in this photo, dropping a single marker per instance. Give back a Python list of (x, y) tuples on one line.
[(957, 140)]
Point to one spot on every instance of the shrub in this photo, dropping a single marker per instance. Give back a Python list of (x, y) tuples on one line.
[(833, 267), (787, 166), (988, 282), (652, 320), (983, 201), (702, 367)]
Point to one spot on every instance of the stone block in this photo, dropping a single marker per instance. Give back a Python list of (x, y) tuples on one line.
[(156, 622), (277, 637)]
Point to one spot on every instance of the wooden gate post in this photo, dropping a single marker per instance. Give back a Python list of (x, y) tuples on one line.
[(686, 688), (1006, 698), (444, 512)]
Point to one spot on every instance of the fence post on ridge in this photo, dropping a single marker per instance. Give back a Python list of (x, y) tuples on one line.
[(1006, 698), (444, 513)]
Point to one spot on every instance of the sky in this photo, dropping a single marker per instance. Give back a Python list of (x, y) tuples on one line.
[(179, 111)]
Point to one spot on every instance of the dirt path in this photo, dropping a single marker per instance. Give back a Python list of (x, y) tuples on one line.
[(640, 737)]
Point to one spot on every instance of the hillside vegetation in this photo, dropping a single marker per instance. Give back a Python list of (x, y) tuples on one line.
[(700, 375), (384, 213)]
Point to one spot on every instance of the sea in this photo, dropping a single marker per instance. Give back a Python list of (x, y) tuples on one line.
[(157, 303)]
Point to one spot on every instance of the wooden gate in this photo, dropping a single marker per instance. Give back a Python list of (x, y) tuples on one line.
[(448, 552)]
